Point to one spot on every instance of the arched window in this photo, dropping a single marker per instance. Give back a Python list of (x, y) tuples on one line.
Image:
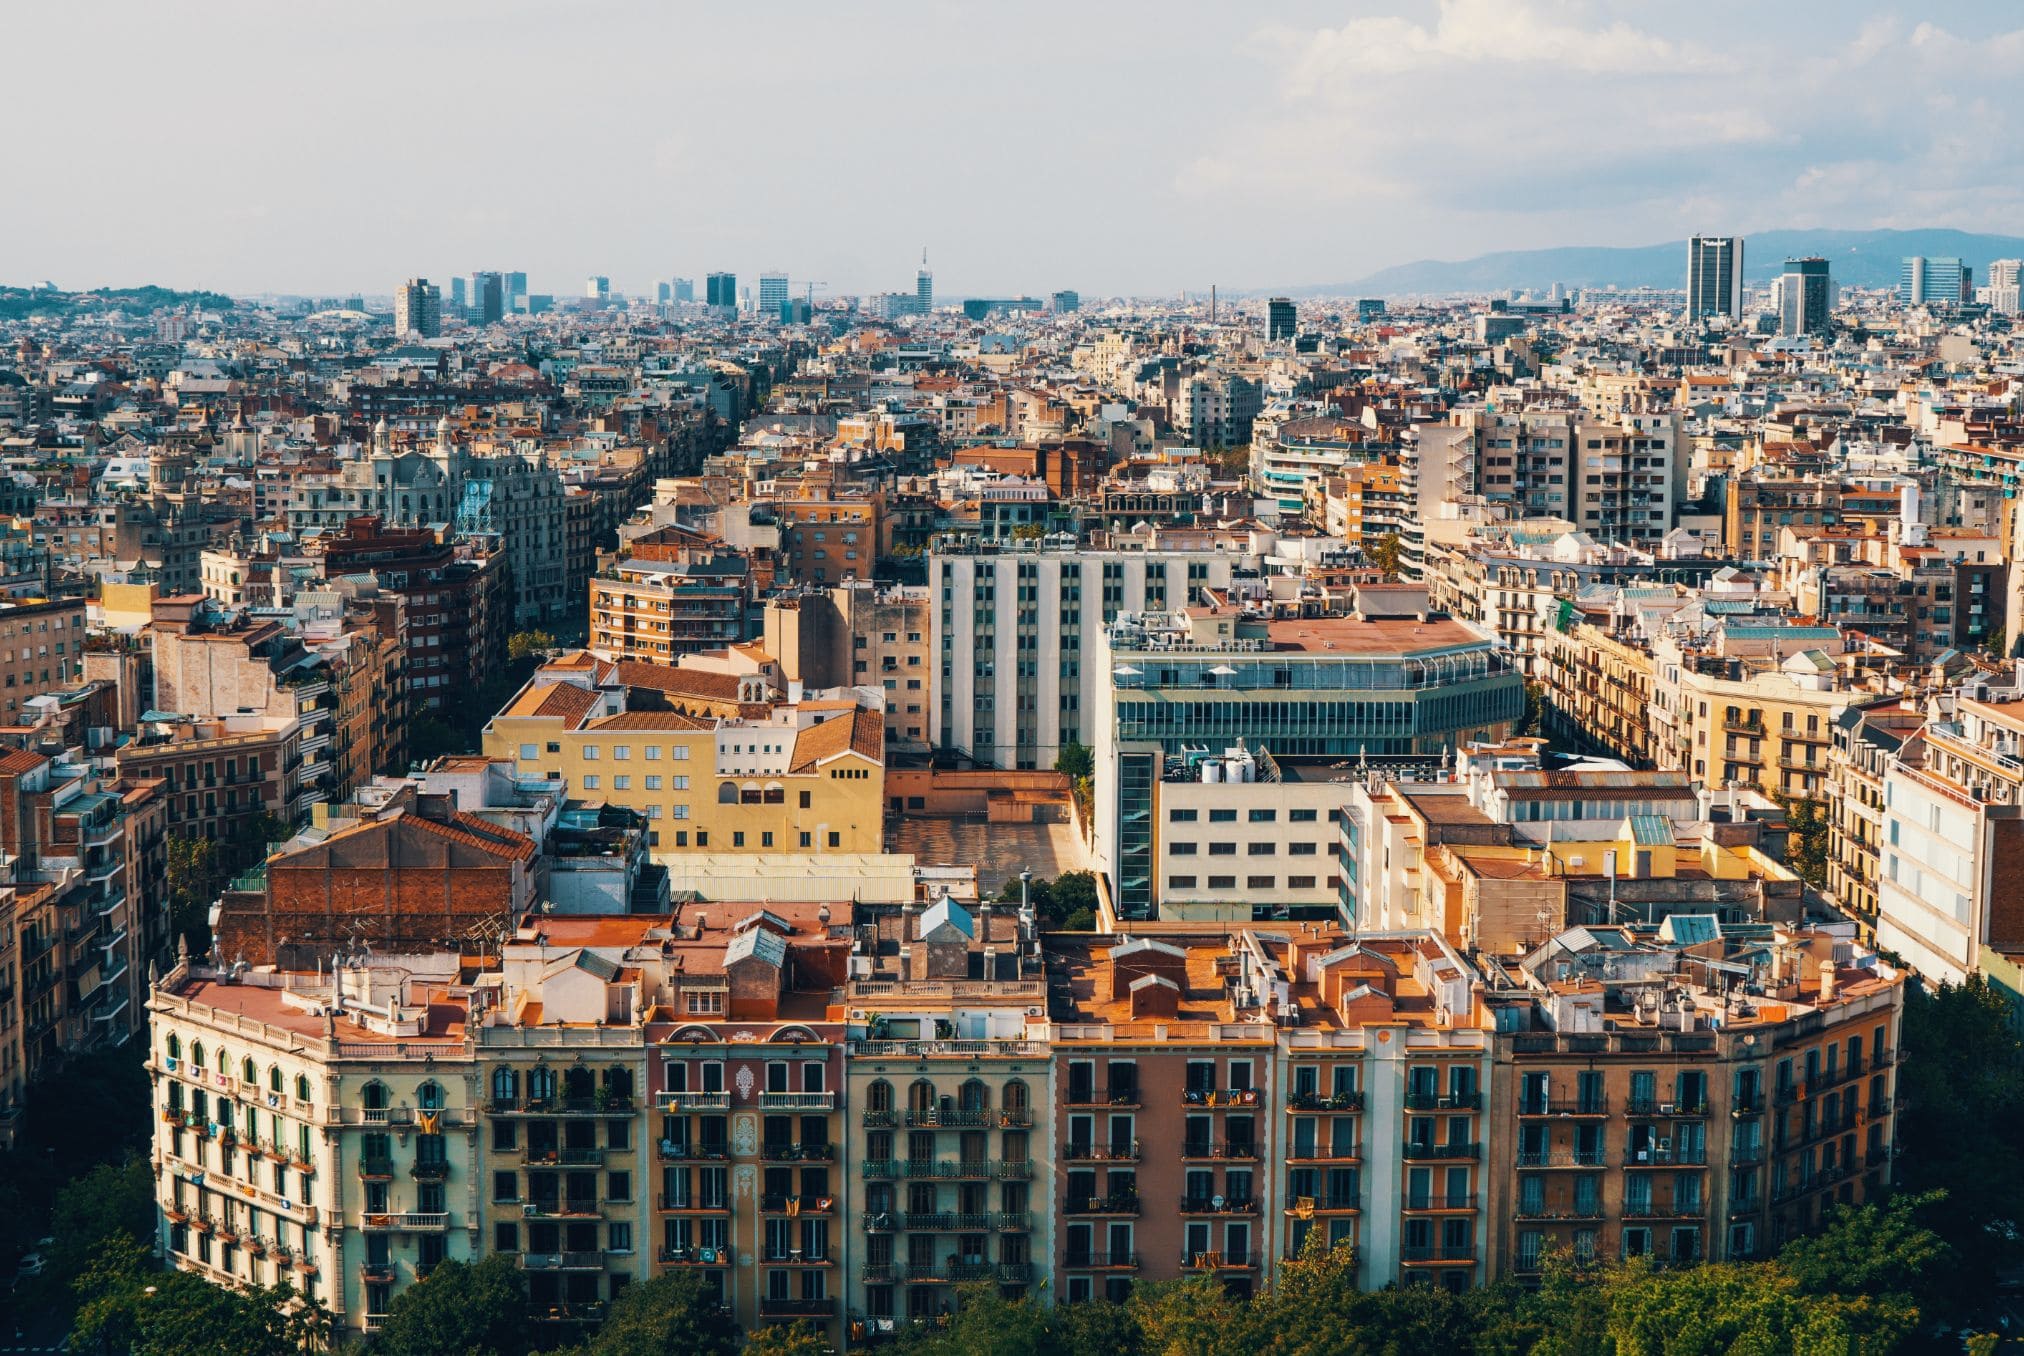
[(302, 1087), (880, 1094), (200, 1104), (579, 1084), (1015, 1096), (618, 1081), (776, 794), (921, 1095), (248, 1071), (429, 1097), (175, 1046), (373, 1096), (274, 1079), (505, 1085), (197, 1054), (540, 1083), (973, 1096), (727, 793)]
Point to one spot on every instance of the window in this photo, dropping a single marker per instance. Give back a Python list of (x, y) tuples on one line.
[(1259, 882), (1222, 849), (1180, 882), (1181, 849), (1222, 816), (1182, 816), (1263, 816), (1300, 816)]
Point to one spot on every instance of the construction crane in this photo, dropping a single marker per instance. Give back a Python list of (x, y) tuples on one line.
[(811, 286)]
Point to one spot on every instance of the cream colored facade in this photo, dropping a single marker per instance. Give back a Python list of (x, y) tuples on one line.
[(1771, 730)]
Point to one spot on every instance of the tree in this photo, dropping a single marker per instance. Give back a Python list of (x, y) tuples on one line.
[(787, 1339), (127, 1306), (1961, 1129), (1077, 760), (195, 876), (671, 1312), (1870, 1250), (525, 646), (1384, 553), (1806, 822), (984, 1324), (107, 1202), (468, 1309)]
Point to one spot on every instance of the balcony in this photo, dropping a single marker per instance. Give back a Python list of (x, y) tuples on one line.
[(1341, 1202), (1646, 1106), (1558, 1211), (409, 1222), (797, 1101), (691, 1205), (376, 1167), (1325, 1101), (376, 1273), (711, 1151), (769, 1307), (1236, 1151), (991, 1169), (1658, 1209), (950, 1221), (1563, 1158), (1444, 1101), (1117, 1203), (781, 1204), (432, 1171), (695, 1101), (695, 1257), (1112, 1097), (562, 1261), (549, 1156), (794, 1257), (1213, 1099), (1218, 1205), (821, 1151), (1325, 1153), (1218, 1261), (1445, 1202), (1559, 1106), (969, 1118), (1101, 1261), (1414, 1150), (1102, 1153), (1447, 1254), (560, 1208)]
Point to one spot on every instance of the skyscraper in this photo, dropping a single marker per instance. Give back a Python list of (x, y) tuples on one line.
[(2004, 293), (516, 291), (460, 297), (663, 292), (1280, 322), (1065, 301), (1715, 276), (772, 294), (488, 298), (418, 309), (685, 289), (1805, 292), (597, 287), (1934, 282), (924, 287), (721, 291)]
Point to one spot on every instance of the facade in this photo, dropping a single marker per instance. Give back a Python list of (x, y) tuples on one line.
[(1331, 689), (1715, 277), (41, 650), (418, 309), (720, 290), (1281, 320), (1935, 282), (1015, 681), (1805, 297), (657, 610)]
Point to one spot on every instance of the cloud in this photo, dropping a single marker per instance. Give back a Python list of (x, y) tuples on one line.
[(1560, 122)]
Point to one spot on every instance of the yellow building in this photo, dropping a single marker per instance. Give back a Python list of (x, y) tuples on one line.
[(1599, 691), (782, 777)]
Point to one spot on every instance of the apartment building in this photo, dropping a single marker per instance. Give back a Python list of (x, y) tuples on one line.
[(1012, 636), (655, 610), (1755, 709), (1952, 826), (953, 1138), (41, 650), (1865, 740), (1646, 1106), (1244, 835), (783, 777), (457, 612), (1598, 690)]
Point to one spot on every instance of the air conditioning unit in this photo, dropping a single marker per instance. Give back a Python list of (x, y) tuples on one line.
[(1665, 1108)]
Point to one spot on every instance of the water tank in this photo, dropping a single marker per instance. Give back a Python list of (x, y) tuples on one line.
[(1212, 769)]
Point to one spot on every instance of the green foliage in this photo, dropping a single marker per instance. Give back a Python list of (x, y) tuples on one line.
[(461, 1310), (17, 302), (984, 1324), (523, 646), (125, 1305), (1384, 554), (1807, 822), (787, 1339), (196, 874), (1077, 760), (1057, 902), (671, 1312), (1961, 1129), (107, 1202)]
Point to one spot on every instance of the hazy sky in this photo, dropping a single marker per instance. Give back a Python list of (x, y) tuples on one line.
[(1105, 146)]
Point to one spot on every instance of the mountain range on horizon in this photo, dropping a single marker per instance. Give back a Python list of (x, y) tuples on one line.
[(1858, 259)]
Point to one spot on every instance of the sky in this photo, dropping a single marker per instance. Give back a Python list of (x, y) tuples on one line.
[(1114, 147)]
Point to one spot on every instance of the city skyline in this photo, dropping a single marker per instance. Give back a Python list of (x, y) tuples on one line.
[(1679, 132)]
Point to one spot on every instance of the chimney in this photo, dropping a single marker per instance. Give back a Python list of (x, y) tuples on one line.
[(1827, 981)]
